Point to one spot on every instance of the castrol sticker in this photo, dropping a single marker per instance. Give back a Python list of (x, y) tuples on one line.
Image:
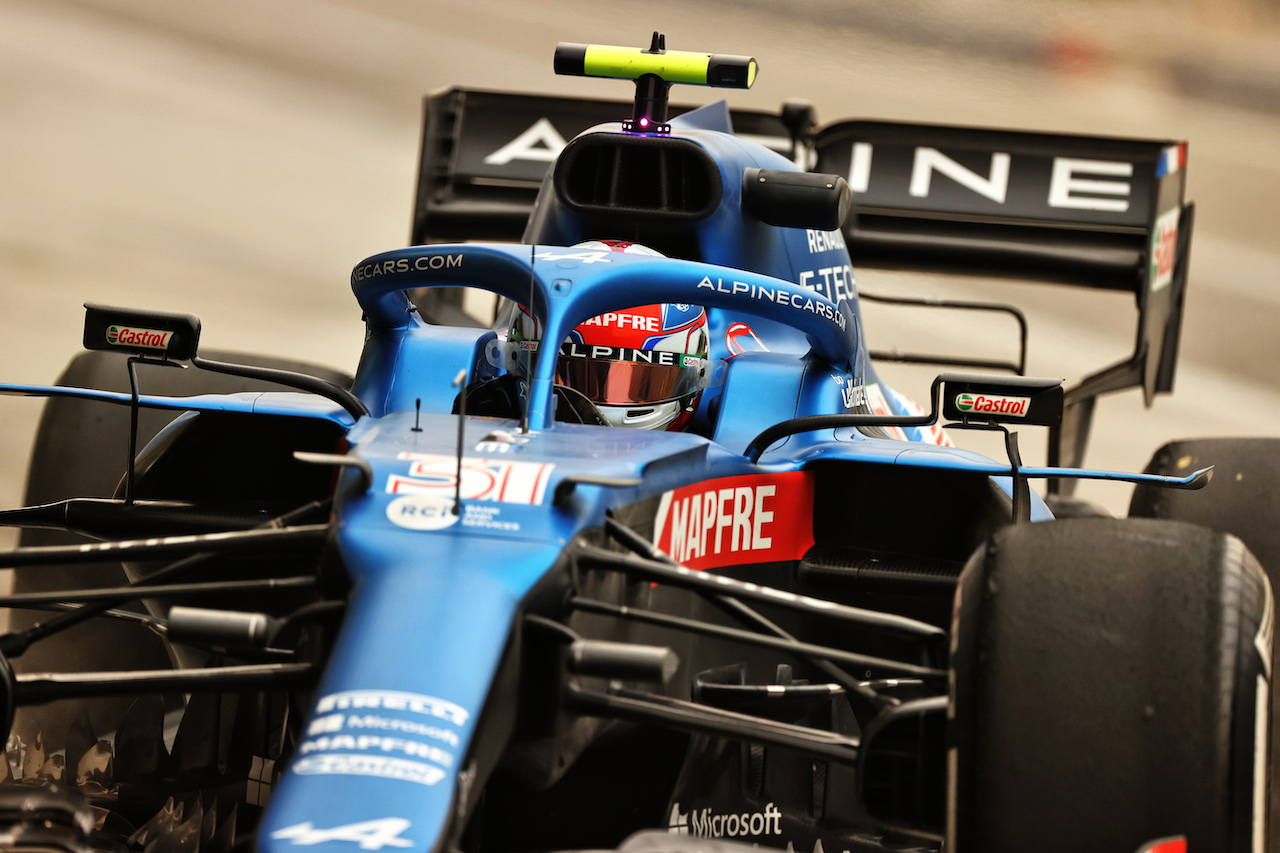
[(132, 338), (754, 518), (993, 404)]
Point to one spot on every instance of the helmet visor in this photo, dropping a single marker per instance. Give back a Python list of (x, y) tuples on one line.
[(616, 382)]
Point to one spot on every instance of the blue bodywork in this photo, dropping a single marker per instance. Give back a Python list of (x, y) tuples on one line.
[(387, 755), (436, 594)]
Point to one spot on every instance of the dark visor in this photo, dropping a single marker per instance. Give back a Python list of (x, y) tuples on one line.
[(624, 383)]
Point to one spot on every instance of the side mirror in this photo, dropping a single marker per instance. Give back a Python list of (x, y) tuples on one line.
[(174, 337), (979, 398), (796, 199), (141, 332)]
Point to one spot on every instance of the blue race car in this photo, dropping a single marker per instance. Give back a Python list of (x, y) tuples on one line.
[(650, 557)]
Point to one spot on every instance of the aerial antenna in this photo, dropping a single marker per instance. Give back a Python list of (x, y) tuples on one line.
[(461, 381), (649, 113)]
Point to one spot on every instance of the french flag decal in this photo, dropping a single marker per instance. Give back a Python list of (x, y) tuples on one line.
[(1172, 159)]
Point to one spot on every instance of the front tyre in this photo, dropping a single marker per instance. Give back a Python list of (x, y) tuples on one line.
[(1110, 688)]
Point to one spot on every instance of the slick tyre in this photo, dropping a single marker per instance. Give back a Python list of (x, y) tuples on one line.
[(1111, 689), (1242, 498)]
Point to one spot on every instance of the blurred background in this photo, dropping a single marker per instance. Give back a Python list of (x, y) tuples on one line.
[(235, 160)]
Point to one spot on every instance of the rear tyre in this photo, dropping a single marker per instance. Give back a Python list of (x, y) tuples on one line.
[(1242, 498), (1112, 683)]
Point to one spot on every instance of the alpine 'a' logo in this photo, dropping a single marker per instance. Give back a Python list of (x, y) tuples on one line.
[(541, 143), (369, 834), (126, 336), (993, 404)]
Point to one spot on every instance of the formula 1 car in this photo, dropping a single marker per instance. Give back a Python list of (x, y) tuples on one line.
[(400, 611)]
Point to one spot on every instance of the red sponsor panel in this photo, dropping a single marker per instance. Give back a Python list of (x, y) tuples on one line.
[(753, 518)]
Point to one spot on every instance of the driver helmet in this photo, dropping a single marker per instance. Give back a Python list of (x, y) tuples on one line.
[(642, 367)]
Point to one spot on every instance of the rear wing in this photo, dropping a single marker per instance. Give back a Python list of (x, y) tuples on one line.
[(1080, 210), (484, 155)]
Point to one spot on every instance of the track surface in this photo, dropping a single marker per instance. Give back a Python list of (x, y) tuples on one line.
[(236, 159)]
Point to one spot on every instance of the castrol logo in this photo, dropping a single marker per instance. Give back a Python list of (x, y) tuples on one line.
[(127, 336), (993, 404)]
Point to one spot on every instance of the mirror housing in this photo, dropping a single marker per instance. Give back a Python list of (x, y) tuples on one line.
[(984, 398), (141, 332), (796, 199)]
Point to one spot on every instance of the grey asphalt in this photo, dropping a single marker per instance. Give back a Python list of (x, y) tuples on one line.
[(236, 159)]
